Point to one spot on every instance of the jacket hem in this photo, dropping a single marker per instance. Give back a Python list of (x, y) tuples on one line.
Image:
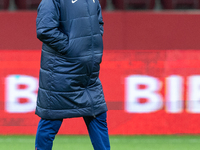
[(69, 113)]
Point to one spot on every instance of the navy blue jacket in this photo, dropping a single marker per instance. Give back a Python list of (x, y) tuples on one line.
[(69, 85)]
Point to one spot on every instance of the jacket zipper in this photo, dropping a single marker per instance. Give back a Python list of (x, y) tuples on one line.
[(92, 103)]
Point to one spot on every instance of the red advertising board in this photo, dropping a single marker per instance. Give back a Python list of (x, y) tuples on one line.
[(147, 92)]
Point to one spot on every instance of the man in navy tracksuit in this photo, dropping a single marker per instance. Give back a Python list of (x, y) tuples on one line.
[(69, 85)]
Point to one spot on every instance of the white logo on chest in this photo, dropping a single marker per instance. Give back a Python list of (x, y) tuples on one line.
[(74, 1)]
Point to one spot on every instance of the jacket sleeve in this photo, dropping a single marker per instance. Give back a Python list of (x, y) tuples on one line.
[(100, 18), (47, 24)]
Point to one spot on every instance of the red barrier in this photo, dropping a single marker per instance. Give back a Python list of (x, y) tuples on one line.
[(147, 92), (150, 87), (123, 30)]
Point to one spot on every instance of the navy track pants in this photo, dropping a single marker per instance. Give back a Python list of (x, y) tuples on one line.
[(97, 129)]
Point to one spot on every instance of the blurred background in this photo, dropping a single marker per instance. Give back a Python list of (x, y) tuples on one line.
[(150, 70), (110, 5)]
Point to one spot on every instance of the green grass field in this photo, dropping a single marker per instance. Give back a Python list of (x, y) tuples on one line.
[(62, 142)]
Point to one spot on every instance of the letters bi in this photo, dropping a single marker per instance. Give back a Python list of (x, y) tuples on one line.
[(173, 101)]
